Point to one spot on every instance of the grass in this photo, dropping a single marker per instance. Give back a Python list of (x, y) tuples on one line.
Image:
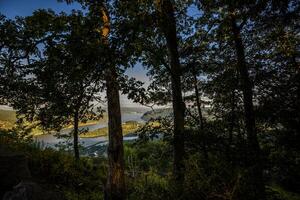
[(280, 193)]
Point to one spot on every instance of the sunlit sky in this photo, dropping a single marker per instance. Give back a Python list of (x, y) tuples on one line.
[(13, 8)]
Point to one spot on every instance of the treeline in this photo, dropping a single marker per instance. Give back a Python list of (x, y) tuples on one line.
[(241, 55)]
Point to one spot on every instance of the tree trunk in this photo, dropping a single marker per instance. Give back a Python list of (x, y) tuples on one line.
[(256, 186), (116, 181), (198, 100), (297, 83), (75, 136), (232, 115), (115, 186), (168, 26), (231, 125), (198, 103)]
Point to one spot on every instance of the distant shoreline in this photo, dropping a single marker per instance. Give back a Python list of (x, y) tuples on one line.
[(8, 118), (82, 124)]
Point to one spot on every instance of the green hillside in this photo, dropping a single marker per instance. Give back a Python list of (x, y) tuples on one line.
[(153, 114)]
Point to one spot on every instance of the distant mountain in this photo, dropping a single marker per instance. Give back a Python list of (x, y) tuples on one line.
[(164, 112), (156, 113), (8, 116), (134, 109)]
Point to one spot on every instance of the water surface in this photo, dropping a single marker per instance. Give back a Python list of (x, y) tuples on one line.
[(49, 140)]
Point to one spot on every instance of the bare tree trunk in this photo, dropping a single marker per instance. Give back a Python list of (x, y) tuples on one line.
[(115, 186), (297, 82), (75, 136), (198, 100), (232, 116), (231, 125), (198, 103), (256, 187), (168, 26)]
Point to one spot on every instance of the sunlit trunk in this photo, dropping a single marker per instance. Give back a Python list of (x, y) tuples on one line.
[(115, 186)]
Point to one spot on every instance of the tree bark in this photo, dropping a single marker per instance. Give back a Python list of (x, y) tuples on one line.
[(75, 135), (297, 83), (232, 119), (256, 188), (115, 186), (232, 116), (198, 100), (116, 181), (168, 26)]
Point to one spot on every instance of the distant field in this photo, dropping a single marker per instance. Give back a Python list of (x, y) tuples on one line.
[(8, 115), (127, 127), (7, 118)]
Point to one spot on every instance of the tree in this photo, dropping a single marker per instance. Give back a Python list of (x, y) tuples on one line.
[(278, 86), (237, 21), (117, 46), (64, 61), (115, 186), (168, 26), (71, 64)]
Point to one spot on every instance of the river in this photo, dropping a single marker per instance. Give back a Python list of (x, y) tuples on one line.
[(49, 140)]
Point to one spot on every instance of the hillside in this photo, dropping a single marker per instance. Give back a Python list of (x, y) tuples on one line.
[(153, 114), (128, 127), (7, 119)]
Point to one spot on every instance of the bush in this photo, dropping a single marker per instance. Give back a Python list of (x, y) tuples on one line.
[(59, 169), (209, 179), (275, 192), (149, 186)]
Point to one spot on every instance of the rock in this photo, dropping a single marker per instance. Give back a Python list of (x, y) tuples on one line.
[(13, 169), (15, 179), (27, 190)]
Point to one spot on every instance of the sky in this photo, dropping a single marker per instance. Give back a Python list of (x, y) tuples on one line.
[(13, 8)]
